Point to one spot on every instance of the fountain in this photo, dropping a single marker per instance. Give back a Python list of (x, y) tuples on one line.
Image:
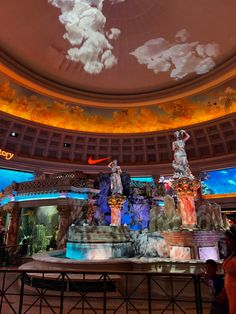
[(98, 242), (158, 232)]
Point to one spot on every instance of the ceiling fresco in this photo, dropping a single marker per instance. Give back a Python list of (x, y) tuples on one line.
[(21, 102), (91, 44), (113, 49)]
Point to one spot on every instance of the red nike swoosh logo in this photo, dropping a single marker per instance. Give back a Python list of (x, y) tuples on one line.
[(92, 161)]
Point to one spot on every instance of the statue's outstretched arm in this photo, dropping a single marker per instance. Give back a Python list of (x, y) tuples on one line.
[(186, 136)]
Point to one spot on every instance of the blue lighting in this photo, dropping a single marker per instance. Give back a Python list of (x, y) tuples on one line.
[(33, 197), (8, 176), (76, 251), (142, 179), (219, 181)]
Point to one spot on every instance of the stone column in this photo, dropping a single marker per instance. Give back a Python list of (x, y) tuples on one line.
[(3, 215), (14, 222), (65, 220), (186, 190), (116, 202)]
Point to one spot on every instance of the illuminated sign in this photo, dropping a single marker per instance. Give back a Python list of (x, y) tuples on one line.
[(92, 161), (6, 155)]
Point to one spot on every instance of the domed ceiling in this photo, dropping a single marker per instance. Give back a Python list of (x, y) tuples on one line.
[(21, 102), (118, 66)]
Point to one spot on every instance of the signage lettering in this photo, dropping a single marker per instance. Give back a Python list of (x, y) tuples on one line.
[(6, 155)]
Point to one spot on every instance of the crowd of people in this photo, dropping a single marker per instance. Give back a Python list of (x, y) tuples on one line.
[(223, 291)]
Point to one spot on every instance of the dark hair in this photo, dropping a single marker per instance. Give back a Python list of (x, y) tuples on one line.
[(211, 262), (231, 233)]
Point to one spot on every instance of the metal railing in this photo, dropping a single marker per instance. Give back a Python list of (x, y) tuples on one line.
[(12, 255), (64, 292)]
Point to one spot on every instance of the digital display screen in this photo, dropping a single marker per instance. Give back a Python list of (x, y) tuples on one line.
[(219, 181), (8, 176), (210, 252), (142, 179)]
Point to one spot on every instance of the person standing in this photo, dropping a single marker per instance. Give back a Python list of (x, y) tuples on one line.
[(215, 282), (229, 267)]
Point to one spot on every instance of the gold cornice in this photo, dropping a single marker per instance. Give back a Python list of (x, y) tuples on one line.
[(39, 85), (213, 196)]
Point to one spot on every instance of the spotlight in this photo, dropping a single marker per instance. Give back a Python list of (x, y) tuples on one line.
[(13, 134)]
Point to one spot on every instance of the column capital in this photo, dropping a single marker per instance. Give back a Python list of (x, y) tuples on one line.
[(185, 185)]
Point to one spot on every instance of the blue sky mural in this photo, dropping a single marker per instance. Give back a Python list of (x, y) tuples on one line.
[(8, 175), (219, 181)]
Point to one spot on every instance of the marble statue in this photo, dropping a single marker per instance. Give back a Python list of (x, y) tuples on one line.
[(209, 217), (149, 244), (169, 207), (158, 219), (180, 162), (115, 178), (154, 212), (176, 220), (226, 223), (204, 217), (217, 216)]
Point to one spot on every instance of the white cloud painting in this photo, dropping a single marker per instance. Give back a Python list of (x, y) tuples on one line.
[(180, 57), (85, 23)]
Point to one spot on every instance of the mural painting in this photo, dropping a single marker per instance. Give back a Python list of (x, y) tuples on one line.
[(21, 102)]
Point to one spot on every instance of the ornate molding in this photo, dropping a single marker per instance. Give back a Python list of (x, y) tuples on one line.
[(36, 82)]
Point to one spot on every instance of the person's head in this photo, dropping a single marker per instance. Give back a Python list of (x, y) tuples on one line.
[(211, 267), (230, 238), (177, 135)]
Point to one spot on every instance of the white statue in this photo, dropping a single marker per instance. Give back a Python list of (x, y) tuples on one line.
[(169, 207), (180, 162), (217, 216), (115, 178)]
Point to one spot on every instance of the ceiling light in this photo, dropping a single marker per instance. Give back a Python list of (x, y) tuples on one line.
[(13, 134)]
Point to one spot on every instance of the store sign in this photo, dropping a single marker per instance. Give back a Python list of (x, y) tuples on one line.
[(6, 155), (92, 161)]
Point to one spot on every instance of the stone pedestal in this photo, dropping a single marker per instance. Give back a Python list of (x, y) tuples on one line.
[(116, 202), (98, 242), (186, 190), (186, 245)]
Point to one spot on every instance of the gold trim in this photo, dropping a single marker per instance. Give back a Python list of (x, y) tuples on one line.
[(132, 103), (211, 196)]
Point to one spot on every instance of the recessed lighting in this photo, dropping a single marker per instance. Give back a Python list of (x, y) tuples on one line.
[(13, 134)]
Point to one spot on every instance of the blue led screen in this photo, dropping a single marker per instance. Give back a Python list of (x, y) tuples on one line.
[(8, 176), (142, 179), (219, 181)]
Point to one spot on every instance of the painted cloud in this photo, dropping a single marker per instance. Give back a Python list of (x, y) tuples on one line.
[(85, 23), (180, 57)]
